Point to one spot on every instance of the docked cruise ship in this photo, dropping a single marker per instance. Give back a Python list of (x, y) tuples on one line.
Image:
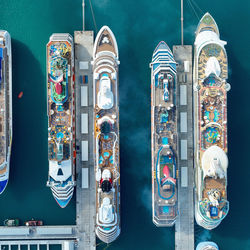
[(61, 111), (207, 245), (163, 136), (210, 124), (6, 108), (106, 135)]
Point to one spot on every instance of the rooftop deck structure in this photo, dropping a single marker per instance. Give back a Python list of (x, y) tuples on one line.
[(37, 244), (184, 226), (37, 233)]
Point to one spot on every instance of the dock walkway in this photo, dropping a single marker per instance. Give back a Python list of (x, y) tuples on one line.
[(184, 226), (85, 189)]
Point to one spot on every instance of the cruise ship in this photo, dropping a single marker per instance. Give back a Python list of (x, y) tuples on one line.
[(210, 124), (61, 121), (6, 108), (207, 245), (106, 135), (163, 136)]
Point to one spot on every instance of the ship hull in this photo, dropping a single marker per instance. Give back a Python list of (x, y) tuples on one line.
[(61, 120), (163, 137), (106, 135), (6, 103), (210, 125)]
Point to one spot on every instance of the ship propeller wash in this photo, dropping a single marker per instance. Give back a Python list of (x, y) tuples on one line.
[(106, 135), (61, 128), (210, 124), (6, 108), (163, 136)]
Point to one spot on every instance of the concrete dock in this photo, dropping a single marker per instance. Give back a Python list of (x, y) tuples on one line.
[(184, 226), (85, 189)]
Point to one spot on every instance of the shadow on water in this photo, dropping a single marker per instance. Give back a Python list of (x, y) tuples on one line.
[(26, 195), (238, 152)]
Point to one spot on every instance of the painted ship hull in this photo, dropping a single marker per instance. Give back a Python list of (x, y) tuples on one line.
[(61, 121), (6, 106), (163, 136), (106, 135), (210, 125)]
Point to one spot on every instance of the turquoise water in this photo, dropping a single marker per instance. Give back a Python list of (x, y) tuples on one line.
[(138, 26), (30, 24)]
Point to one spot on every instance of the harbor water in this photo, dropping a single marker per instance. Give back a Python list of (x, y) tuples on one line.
[(138, 27)]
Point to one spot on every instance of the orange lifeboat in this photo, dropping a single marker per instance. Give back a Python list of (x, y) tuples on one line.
[(20, 95)]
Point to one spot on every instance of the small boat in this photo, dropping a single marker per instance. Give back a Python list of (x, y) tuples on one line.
[(11, 222), (33, 223), (20, 95)]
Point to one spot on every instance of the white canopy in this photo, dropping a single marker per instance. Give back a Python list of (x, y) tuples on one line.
[(105, 95), (212, 67), (106, 214), (214, 162), (60, 172)]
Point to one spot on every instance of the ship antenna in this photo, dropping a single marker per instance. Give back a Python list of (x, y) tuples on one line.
[(182, 36), (83, 15), (93, 15)]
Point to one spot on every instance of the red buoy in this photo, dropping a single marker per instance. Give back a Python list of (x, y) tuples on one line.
[(20, 95)]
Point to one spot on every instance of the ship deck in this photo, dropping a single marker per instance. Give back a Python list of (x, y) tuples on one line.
[(60, 114), (164, 142), (4, 108), (210, 183), (212, 110), (106, 130)]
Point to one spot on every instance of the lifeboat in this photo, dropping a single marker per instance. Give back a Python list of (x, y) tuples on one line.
[(33, 223)]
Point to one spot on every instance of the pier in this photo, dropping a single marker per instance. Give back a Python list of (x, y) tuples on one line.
[(184, 226), (85, 187)]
